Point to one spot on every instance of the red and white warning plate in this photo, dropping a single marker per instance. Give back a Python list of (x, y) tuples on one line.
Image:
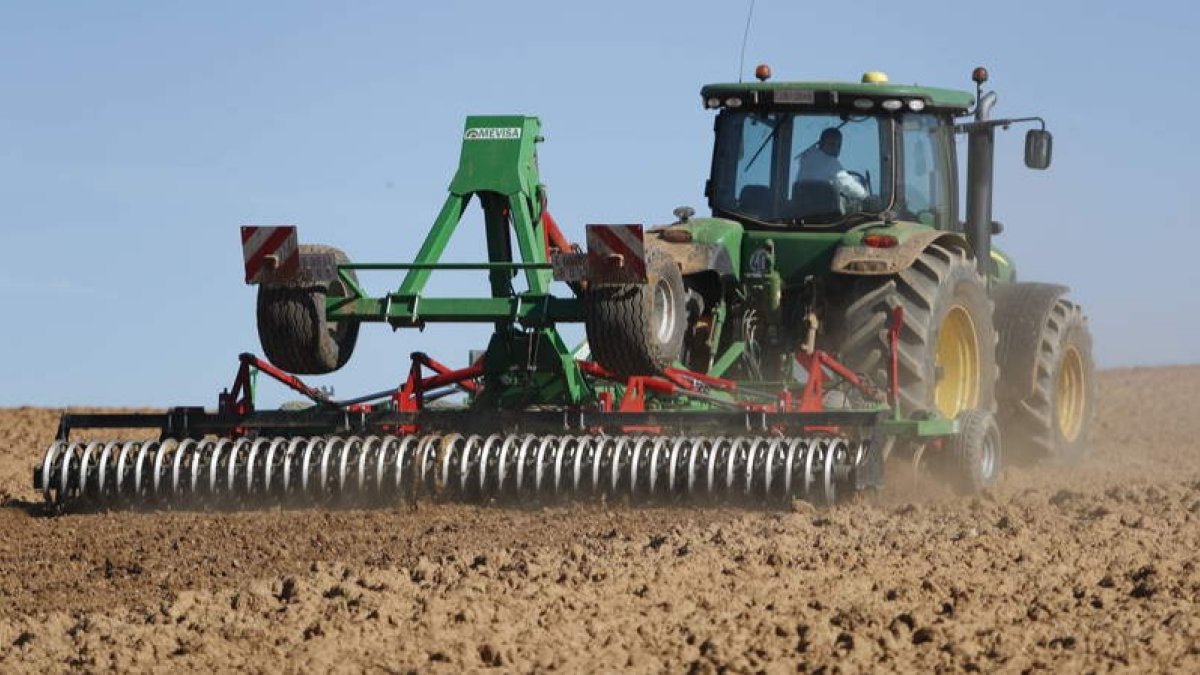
[(616, 254), (270, 253)]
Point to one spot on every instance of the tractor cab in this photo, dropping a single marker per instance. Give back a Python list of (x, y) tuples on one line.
[(832, 155)]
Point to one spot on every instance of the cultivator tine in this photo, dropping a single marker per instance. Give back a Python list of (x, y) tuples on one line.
[(373, 470)]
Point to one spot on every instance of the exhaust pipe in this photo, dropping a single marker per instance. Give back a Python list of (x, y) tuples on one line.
[(981, 142)]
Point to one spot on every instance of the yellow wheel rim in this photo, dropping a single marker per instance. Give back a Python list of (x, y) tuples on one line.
[(957, 363), (1071, 395)]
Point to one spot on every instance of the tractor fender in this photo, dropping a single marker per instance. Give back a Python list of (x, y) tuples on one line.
[(694, 257), (1022, 310), (861, 260)]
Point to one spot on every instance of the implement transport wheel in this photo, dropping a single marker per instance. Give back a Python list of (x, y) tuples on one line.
[(947, 344), (638, 329), (292, 326), (1047, 387), (974, 458)]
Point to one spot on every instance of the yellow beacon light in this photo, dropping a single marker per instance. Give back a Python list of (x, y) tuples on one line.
[(874, 77)]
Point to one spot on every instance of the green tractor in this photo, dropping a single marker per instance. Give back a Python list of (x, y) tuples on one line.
[(833, 204), (832, 309)]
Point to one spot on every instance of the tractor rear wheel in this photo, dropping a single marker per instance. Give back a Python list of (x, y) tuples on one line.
[(638, 329), (1047, 383), (293, 329), (947, 345)]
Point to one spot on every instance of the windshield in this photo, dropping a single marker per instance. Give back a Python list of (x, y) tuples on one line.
[(807, 169)]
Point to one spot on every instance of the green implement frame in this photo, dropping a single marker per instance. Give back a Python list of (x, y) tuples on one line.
[(527, 361)]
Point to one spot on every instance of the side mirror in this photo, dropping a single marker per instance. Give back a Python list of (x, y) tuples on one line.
[(1038, 147)]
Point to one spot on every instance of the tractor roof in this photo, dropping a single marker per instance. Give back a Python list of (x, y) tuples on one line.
[(863, 96)]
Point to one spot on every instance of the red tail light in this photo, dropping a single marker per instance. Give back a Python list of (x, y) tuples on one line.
[(880, 240)]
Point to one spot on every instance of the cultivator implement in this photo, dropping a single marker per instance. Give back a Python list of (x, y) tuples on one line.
[(387, 470), (387, 449), (681, 399)]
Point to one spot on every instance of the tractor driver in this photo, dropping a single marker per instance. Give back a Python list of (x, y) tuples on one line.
[(820, 163)]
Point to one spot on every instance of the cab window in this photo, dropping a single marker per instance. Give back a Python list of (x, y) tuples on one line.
[(926, 195)]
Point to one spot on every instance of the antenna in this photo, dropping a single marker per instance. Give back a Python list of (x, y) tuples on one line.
[(745, 36)]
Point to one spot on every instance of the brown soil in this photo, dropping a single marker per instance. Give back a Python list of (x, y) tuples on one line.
[(1066, 569)]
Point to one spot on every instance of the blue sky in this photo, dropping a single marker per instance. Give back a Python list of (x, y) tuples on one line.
[(138, 136)]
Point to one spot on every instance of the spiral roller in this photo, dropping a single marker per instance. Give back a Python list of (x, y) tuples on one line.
[(379, 470)]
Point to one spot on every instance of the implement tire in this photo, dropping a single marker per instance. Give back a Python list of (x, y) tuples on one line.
[(293, 329), (638, 329), (1047, 385), (947, 346)]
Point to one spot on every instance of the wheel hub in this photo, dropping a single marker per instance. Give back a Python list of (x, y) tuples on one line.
[(664, 311), (1071, 397), (957, 362)]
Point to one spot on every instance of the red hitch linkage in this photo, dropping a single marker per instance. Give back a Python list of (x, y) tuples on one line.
[(673, 382), (894, 346), (239, 399), (410, 397), (554, 237)]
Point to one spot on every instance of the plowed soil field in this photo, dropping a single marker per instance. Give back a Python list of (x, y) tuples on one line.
[(1065, 569)]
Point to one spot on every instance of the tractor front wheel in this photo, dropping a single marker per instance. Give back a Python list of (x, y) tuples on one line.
[(1047, 382), (293, 329)]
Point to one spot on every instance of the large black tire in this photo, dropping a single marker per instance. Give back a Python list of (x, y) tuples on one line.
[(638, 329), (975, 456), (1047, 390), (292, 327), (941, 293)]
